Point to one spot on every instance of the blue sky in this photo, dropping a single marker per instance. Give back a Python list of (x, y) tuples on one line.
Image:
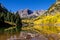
[(15, 5)]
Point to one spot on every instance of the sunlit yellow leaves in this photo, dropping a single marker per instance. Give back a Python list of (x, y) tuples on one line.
[(47, 24), (38, 21), (50, 22)]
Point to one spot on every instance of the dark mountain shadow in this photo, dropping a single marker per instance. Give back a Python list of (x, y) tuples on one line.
[(4, 25)]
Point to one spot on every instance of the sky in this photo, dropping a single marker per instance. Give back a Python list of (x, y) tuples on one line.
[(14, 5)]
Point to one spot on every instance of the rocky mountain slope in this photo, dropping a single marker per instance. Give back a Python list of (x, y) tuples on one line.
[(2, 8), (54, 8)]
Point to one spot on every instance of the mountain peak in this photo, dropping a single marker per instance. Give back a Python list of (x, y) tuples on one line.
[(1, 5), (2, 8), (27, 13)]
